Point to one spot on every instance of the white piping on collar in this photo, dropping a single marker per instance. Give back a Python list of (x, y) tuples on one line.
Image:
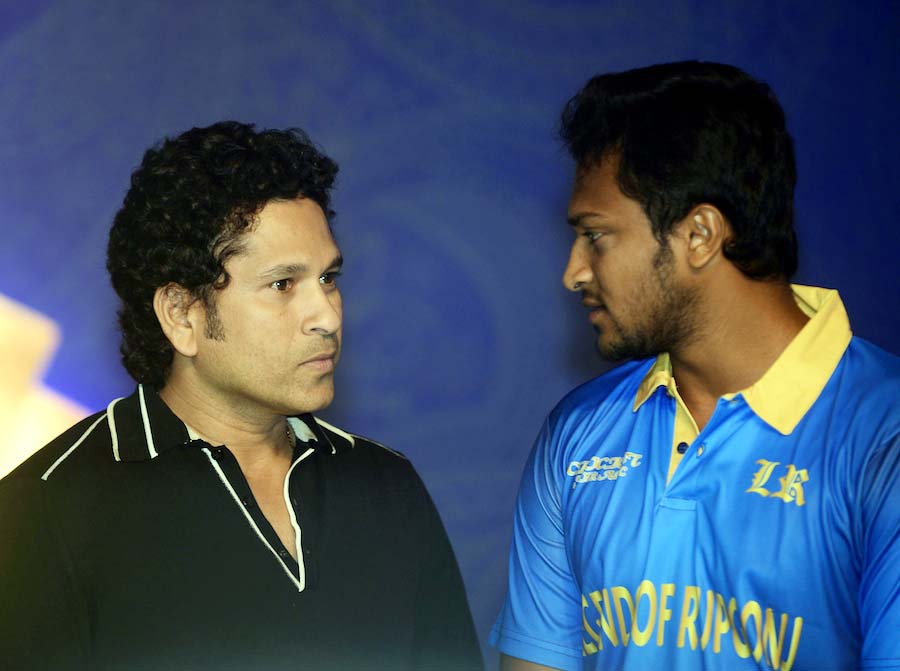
[(300, 583), (112, 429), (72, 449), (352, 439), (298, 544), (151, 448), (343, 434)]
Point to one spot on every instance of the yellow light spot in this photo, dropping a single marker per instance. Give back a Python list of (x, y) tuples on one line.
[(30, 413)]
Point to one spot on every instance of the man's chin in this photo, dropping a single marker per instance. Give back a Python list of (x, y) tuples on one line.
[(311, 402), (618, 351), (612, 355)]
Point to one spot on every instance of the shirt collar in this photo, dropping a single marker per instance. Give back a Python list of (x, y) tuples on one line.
[(142, 427), (659, 375), (786, 392)]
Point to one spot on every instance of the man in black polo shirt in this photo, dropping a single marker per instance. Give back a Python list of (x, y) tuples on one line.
[(209, 521)]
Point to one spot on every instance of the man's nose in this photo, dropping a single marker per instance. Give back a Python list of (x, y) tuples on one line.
[(578, 271), (325, 314)]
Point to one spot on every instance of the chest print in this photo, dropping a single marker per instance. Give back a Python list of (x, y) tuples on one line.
[(599, 469), (791, 482)]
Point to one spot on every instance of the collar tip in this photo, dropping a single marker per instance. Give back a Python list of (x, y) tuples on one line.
[(785, 429)]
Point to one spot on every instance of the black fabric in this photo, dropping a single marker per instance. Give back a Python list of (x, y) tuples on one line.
[(150, 563)]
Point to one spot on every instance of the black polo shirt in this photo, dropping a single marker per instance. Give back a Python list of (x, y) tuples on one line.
[(126, 544)]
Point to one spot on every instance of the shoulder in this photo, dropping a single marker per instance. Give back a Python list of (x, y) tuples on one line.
[(344, 441), (592, 413), (87, 439), (363, 459), (372, 469), (612, 392), (872, 364), (866, 384)]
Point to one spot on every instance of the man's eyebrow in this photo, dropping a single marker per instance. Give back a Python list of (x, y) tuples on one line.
[(579, 217), (294, 269), (285, 270)]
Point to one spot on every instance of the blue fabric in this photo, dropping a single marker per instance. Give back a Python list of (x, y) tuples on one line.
[(764, 551)]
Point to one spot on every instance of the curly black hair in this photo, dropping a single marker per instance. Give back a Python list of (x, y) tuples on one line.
[(694, 132), (190, 200)]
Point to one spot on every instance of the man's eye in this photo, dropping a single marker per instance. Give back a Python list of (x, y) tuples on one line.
[(330, 279), (282, 285), (592, 236)]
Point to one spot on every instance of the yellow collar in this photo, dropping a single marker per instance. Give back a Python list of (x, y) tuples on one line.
[(784, 394)]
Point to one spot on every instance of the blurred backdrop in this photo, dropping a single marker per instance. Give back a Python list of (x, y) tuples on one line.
[(459, 337)]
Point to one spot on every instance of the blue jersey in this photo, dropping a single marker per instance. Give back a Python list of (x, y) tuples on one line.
[(775, 543)]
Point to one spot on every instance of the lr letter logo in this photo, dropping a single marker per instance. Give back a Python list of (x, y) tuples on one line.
[(791, 484)]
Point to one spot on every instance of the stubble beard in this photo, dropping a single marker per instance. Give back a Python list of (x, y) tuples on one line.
[(669, 323), (214, 328)]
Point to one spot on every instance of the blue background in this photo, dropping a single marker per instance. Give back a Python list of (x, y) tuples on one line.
[(452, 191)]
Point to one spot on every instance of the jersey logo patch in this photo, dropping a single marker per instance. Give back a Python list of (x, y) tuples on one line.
[(597, 469), (791, 483)]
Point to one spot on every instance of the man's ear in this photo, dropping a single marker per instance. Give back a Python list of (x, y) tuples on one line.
[(706, 230), (173, 305)]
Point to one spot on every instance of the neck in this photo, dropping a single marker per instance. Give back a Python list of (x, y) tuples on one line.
[(253, 439), (747, 325)]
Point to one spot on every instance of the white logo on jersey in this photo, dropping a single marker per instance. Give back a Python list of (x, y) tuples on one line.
[(603, 468)]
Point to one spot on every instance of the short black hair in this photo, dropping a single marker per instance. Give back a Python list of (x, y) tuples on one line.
[(190, 200), (693, 132)]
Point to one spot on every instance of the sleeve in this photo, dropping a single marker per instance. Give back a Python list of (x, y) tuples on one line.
[(879, 594), (445, 638), (40, 628), (541, 619)]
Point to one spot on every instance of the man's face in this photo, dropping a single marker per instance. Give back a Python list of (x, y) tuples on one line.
[(274, 332), (626, 277)]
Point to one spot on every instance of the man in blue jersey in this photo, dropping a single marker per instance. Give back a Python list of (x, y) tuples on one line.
[(729, 498)]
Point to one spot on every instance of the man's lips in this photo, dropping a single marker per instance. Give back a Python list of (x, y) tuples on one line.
[(595, 306), (322, 362)]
